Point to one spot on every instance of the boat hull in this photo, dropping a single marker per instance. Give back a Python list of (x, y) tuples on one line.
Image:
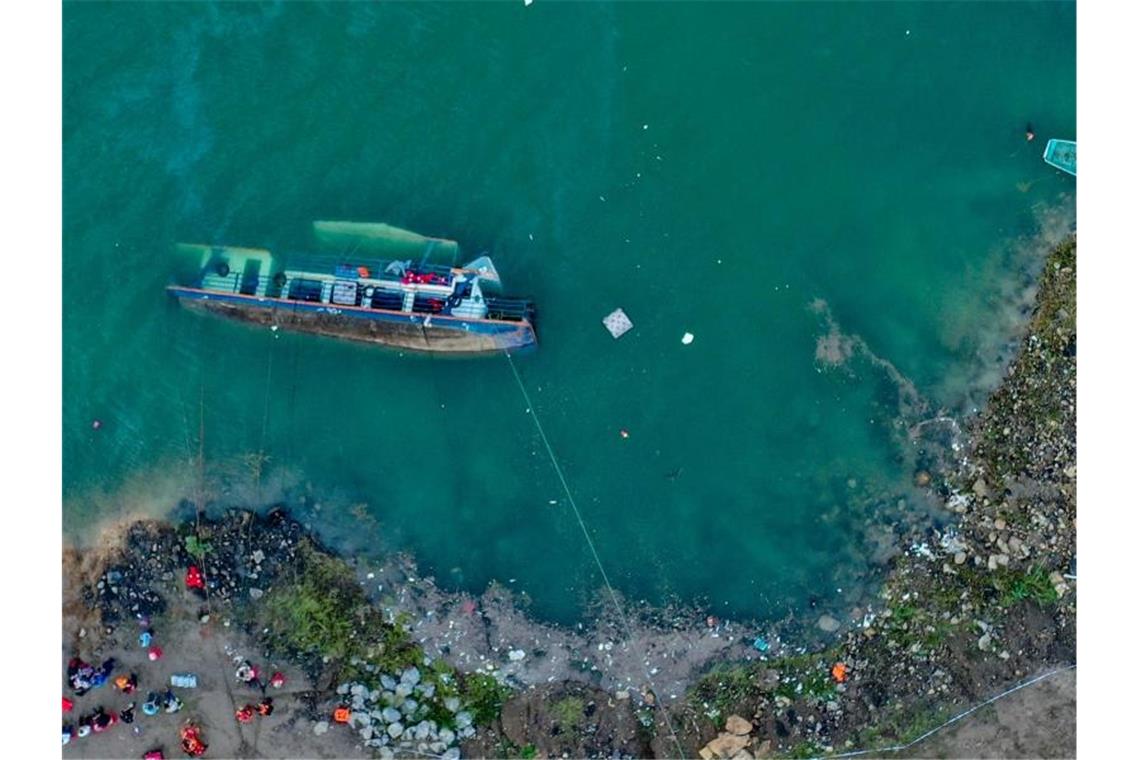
[(427, 333)]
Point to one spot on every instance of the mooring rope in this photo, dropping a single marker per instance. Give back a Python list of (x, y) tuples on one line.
[(956, 718), (589, 541)]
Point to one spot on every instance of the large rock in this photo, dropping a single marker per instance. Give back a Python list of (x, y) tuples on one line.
[(411, 676), (388, 682), (737, 725), (727, 745), (390, 715), (395, 730), (321, 727)]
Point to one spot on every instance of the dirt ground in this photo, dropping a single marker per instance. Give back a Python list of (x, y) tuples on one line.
[(1038, 721)]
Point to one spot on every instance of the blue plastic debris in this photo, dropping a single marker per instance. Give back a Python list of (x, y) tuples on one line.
[(760, 644)]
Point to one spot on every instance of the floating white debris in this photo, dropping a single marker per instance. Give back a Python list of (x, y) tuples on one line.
[(617, 323), (687, 338), (527, 2)]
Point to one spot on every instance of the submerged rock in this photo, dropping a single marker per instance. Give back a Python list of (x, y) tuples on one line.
[(827, 623)]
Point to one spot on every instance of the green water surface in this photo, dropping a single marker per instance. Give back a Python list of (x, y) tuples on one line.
[(708, 167)]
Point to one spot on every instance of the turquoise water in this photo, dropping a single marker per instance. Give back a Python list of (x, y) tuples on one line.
[(710, 168)]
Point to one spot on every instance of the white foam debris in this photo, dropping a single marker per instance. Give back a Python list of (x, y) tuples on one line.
[(687, 338), (617, 323), (527, 2)]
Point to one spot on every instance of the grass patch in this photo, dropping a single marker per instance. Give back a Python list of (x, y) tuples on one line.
[(568, 712), (1033, 584), (484, 697)]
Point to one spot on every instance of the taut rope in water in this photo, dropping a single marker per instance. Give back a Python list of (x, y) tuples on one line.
[(589, 540)]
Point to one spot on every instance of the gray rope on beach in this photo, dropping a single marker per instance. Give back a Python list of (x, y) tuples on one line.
[(956, 718), (589, 541)]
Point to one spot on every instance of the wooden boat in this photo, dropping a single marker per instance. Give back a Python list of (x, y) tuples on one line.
[(1062, 154), (401, 302)]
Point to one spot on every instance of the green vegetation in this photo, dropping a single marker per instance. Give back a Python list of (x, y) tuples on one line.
[(1033, 584), (725, 688), (528, 752), (484, 697), (195, 548), (324, 613), (568, 712)]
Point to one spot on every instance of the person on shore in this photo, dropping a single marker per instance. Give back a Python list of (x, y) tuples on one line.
[(84, 726), (127, 684), (103, 673), (68, 733), (101, 720), (171, 703), (265, 707), (192, 743), (195, 581), (249, 675), (150, 706), (79, 676), (127, 714), (244, 714)]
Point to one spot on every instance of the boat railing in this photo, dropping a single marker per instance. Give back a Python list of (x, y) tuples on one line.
[(511, 309), (276, 286), (377, 269)]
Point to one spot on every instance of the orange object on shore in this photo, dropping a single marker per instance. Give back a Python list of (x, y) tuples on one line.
[(341, 714), (839, 672)]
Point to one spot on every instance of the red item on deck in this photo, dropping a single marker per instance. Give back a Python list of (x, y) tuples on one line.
[(277, 680), (154, 754), (194, 578), (68, 705), (154, 653)]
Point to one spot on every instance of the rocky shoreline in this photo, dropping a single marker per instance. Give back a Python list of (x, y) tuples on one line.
[(967, 607)]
